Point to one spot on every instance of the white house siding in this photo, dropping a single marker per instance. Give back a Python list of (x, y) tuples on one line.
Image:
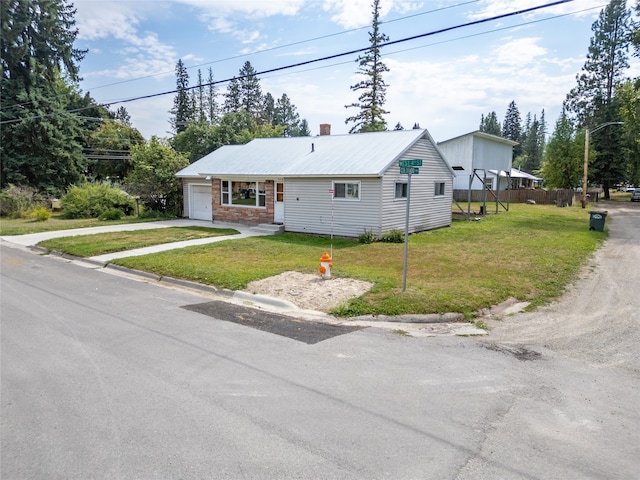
[(308, 207), (187, 190), (427, 211), (459, 153)]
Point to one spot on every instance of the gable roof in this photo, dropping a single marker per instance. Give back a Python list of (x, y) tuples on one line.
[(484, 135), (362, 154)]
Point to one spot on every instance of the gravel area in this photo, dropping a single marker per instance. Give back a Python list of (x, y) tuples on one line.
[(310, 292), (597, 320)]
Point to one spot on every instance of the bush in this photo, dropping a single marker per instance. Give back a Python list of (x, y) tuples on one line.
[(393, 236), (18, 201), (367, 237), (92, 200), (112, 214), (40, 215)]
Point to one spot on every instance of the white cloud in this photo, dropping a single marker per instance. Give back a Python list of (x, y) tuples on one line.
[(357, 13), (143, 53)]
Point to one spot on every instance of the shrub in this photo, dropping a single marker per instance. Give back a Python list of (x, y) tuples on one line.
[(393, 236), (40, 215), (92, 200), (18, 201), (367, 237), (112, 214)]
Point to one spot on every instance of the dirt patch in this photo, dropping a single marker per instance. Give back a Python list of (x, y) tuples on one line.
[(310, 292)]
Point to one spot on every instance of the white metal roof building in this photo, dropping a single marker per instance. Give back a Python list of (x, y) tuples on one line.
[(343, 184)]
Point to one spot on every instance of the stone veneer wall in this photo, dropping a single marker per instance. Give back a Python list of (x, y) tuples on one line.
[(242, 214)]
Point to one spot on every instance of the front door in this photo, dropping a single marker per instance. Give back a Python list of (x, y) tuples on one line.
[(278, 211)]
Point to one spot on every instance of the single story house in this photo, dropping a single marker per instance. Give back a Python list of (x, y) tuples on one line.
[(474, 156), (329, 184)]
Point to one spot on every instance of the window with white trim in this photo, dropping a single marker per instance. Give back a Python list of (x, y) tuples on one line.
[(244, 194), (439, 189), (346, 190), (401, 190)]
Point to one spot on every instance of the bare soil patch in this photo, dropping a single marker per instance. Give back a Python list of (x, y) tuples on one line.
[(310, 292)]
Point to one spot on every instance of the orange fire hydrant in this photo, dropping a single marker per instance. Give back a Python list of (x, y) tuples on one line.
[(325, 266)]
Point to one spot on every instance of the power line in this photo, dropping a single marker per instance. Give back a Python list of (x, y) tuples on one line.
[(292, 44), (351, 52), (321, 59)]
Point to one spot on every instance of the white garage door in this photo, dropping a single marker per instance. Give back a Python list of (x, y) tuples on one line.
[(200, 202)]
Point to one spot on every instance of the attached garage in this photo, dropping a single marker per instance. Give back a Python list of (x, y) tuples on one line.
[(200, 202)]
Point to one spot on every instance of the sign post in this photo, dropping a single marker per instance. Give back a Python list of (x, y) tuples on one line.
[(409, 167)]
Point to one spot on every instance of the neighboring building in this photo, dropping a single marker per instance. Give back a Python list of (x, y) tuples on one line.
[(330, 184), (475, 156), (519, 179)]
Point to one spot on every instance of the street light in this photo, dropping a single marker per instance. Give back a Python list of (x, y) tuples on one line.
[(586, 158)]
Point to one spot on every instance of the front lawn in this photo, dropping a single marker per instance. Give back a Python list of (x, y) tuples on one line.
[(531, 253), (23, 226), (101, 243)]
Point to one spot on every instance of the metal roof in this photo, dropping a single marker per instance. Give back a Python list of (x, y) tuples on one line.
[(488, 136), (362, 154)]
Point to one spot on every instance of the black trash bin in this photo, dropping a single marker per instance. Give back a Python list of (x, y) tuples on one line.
[(596, 220)]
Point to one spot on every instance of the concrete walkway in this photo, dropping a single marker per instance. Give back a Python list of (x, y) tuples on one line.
[(32, 239)]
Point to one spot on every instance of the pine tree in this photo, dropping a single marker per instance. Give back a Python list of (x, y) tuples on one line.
[(490, 124), (563, 156), (269, 108), (211, 103), (285, 113), (370, 104), (232, 101), (592, 101), (533, 143), (304, 130), (512, 127), (183, 105), (39, 138), (201, 102), (250, 91), (123, 116)]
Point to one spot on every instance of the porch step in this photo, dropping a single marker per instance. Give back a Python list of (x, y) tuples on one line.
[(269, 228)]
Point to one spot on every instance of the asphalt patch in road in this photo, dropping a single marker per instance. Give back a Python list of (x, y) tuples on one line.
[(301, 330), (518, 351)]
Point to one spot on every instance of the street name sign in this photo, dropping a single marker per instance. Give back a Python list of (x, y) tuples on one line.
[(410, 163), (412, 170)]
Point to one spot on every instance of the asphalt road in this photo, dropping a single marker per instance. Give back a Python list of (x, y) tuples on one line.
[(106, 377)]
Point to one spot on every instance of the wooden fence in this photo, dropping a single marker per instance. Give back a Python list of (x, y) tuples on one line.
[(521, 195)]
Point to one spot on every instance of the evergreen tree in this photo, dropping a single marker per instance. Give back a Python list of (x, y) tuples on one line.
[(532, 144), (269, 108), (123, 116), (232, 101), (211, 103), (512, 127), (250, 91), (304, 130), (285, 114), (183, 105), (629, 99), (592, 100), (370, 104), (201, 101), (490, 124), (563, 156), (39, 137)]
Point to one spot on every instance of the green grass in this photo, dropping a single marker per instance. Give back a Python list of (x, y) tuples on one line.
[(98, 244), (22, 226), (531, 253)]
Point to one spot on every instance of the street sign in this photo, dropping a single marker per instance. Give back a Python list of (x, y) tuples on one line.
[(410, 163), (412, 170)]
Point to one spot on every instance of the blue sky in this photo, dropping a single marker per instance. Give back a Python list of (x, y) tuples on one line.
[(445, 82)]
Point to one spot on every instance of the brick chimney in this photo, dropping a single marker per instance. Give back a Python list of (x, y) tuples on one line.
[(325, 129)]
